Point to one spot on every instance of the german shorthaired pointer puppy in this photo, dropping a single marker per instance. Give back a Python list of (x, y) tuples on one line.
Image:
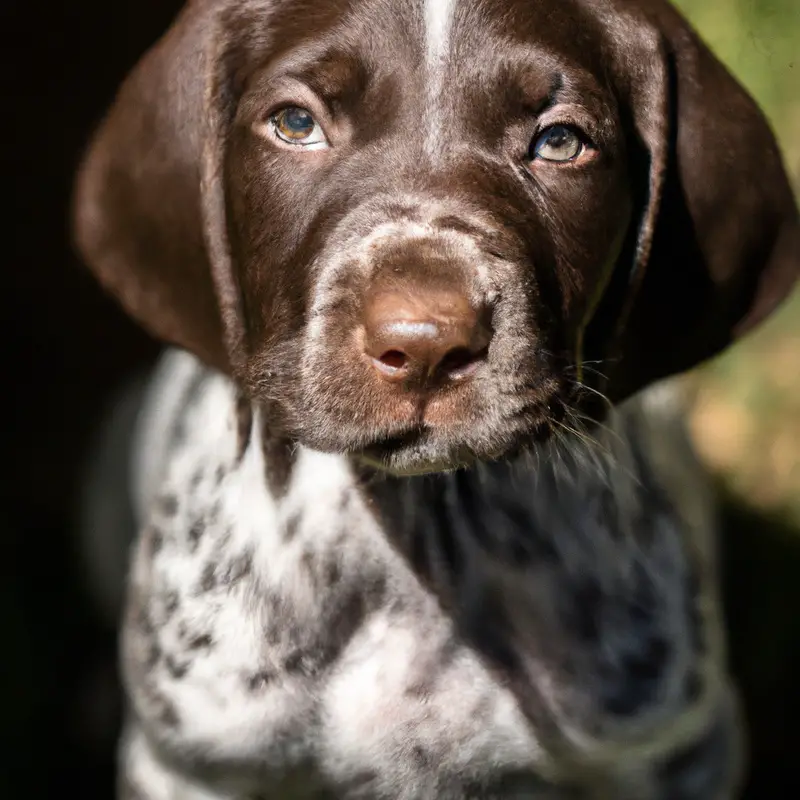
[(408, 526)]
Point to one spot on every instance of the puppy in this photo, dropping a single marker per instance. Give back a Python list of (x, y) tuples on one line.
[(408, 528)]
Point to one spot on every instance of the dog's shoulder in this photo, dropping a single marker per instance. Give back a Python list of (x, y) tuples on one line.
[(181, 390)]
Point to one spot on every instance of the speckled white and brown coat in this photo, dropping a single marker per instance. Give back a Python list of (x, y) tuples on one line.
[(543, 628)]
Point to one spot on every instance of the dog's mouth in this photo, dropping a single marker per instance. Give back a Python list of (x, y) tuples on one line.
[(423, 448)]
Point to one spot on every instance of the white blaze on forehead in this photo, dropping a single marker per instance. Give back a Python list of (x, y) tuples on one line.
[(438, 24), (438, 19)]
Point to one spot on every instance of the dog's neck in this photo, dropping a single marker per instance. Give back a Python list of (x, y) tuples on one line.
[(548, 560), (567, 500)]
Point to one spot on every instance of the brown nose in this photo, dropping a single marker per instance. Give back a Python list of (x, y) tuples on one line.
[(431, 335)]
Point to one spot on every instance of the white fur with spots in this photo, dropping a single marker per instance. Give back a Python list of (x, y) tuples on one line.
[(281, 647)]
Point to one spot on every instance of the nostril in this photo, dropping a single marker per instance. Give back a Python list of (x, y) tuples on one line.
[(393, 364), (393, 359), (460, 362)]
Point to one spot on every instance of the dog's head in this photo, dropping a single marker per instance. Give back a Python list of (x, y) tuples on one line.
[(420, 230)]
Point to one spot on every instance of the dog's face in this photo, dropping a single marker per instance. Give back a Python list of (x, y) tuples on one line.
[(418, 221), (426, 200)]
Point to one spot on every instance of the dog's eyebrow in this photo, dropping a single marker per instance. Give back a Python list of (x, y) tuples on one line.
[(328, 74), (540, 94)]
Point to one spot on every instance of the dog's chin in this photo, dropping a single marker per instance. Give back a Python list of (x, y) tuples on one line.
[(405, 465), (405, 468), (418, 454)]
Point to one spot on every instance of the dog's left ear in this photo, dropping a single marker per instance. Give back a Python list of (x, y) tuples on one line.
[(718, 240), (149, 207)]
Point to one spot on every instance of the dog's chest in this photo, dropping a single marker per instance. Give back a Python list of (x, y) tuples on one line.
[(266, 638), (280, 646)]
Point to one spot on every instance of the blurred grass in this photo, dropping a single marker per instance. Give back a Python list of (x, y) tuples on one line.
[(745, 414)]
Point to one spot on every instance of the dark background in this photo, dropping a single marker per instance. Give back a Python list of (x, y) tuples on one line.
[(65, 348)]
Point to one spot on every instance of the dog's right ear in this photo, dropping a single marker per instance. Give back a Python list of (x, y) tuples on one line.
[(149, 208), (718, 246)]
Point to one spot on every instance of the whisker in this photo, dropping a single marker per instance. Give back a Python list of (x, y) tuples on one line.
[(586, 366), (597, 458), (596, 392), (606, 429)]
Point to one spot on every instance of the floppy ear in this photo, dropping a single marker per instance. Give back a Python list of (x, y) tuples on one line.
[(149, 207), (718, 243)]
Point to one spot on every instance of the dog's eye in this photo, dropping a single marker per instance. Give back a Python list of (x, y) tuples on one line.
[(557, 143), (295, 125)]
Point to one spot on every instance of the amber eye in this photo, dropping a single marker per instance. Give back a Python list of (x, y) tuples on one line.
[(557, 143), (295, 125)]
